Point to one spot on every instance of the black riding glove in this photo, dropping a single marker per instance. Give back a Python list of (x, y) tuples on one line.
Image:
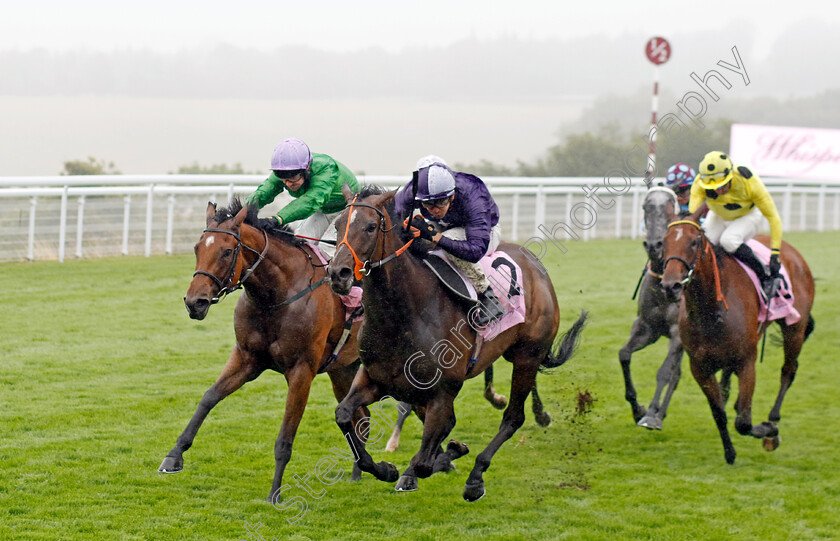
[(427, 230), (775, 265)]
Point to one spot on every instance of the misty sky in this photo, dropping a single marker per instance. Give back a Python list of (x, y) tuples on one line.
[(154, 85), (338, 25)]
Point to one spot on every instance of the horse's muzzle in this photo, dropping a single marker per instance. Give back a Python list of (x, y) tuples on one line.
[(197, 307), (672, 289), (341, 279)]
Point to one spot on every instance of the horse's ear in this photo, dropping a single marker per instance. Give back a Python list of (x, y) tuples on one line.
[(240, 216), (347, 193), (698, 213), (211, 212)]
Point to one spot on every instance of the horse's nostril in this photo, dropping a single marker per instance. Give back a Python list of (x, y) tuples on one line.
[(659, 245), (345, 273), (644, 243)]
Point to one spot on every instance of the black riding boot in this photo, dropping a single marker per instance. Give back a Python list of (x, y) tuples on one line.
[(745, 254), (491, 308)]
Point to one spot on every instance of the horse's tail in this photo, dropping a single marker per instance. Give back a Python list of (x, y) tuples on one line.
[(567, 346)]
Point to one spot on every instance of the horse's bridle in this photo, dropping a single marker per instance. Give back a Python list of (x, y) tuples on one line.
[(700, 252), (227, 285), (363, 269)]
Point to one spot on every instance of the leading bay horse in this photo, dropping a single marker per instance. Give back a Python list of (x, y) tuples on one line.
[(416, 340), (285, 321), (656, 315), (719, 325)]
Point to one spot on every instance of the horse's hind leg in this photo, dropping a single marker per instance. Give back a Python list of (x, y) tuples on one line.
[(522, 382), (746, 388), (711, 388), (793, 336), (641, 335), (543, 418), (439, 422), (499, 401), (238, 370), (394, 441), (667, 375)]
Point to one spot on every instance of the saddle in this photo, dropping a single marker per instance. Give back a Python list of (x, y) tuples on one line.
[(781, 305), (505, 277)]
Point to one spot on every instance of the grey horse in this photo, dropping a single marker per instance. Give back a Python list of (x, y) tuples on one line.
[(656, 316)]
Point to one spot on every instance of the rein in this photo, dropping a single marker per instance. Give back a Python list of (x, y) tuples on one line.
[(227, 286), (707, 247), (363, 269)]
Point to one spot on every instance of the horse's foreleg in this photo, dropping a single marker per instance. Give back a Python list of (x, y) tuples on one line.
[(342, 379), (711, 388), (299, 379), (363, 392), (667, 377), (793, 337), (238, 370), (439, 422), (543, 418), (522, 382), (640, 336), (499, 401)]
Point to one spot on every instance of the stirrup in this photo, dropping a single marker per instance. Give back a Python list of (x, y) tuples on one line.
[(490, 308)]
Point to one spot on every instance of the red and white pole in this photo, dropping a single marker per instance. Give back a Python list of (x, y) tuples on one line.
[(658, 51), (654, 105)]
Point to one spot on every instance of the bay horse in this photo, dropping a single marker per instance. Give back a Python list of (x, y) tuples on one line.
[(415, 343), (285, 321), (719, 325), (656, 315)]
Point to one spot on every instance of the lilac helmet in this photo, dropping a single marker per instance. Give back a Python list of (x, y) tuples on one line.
[(435, 182), (290, 155), (679, 175)]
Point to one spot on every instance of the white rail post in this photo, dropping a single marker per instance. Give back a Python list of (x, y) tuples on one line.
[(803, 210), (787, 204), (230, 193), (30, 250), (170, 214), (619, 201), (149, 203), (62, 224), (634, 216), (821, 208), (837, 211), (80, 220), (539, 211), (515, 218), (126, 220)]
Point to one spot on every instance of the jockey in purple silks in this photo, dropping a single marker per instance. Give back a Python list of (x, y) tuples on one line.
[(466, 219)]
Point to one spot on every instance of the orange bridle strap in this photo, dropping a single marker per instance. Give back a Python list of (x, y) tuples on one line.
[(362, 269)]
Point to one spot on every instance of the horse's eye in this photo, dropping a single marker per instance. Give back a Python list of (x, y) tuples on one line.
[(227, 252), (370, 228)]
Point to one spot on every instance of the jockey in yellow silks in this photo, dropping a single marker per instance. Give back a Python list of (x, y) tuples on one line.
[(738, 201)]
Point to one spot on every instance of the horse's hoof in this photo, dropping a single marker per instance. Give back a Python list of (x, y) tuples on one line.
[(499, 402), (729, 454), (406, 484), (771, 444), (650, 422), (357, 473), (456, 449), (638, 413), (473, 493), (391, 473), (171, 464), (391, 447), (543, 419)]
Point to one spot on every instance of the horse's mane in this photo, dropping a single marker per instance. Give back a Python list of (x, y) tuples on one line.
[(419, 248), (283, 233)]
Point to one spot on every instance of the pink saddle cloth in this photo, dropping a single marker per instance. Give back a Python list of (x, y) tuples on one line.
[(781, 306), (352, 300), (505, 277)]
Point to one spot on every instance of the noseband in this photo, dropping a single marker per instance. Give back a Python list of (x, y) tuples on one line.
[(227, 285), (363, 269)]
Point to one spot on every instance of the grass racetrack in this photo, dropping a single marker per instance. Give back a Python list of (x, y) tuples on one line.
[(102, 369)]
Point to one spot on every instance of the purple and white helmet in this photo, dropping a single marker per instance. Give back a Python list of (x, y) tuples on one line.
[(435, 182), (290, 155)]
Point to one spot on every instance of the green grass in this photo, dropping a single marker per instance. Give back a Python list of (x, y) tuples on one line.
[(102, 368)]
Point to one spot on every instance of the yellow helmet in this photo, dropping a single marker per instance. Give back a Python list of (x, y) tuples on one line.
[(715, 170)]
